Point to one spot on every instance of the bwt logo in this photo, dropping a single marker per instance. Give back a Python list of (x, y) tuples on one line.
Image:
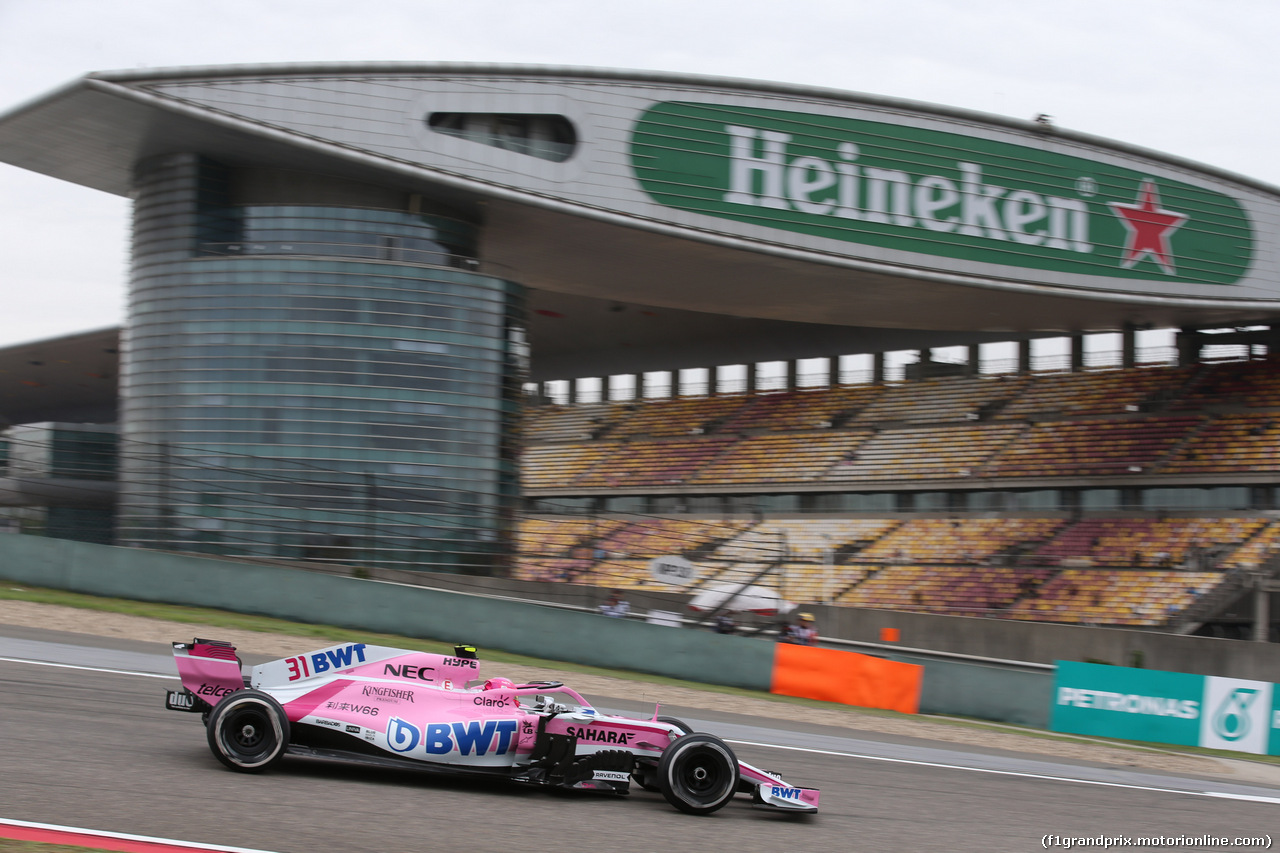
[(473, 737), (307, 665), (785, 793), (338, 658)]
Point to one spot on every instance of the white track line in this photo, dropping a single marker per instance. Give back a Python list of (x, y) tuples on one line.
[(52, 827), (1218, 794), (87, 668)]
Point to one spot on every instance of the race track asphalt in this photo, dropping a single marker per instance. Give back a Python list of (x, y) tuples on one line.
[(85, 741)]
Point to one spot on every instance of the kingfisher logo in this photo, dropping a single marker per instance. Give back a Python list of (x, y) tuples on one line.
[(982, 196)]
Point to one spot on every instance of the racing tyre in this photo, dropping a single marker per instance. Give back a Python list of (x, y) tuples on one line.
[(646, 773), (698, 774), (248, 731), (684, 727)]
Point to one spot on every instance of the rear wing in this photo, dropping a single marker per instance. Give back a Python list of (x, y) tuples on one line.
[(209, 670)]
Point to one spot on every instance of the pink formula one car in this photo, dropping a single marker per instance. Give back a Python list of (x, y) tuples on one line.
[(403, 708)]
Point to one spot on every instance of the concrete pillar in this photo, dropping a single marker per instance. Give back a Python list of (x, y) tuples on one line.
[(1273, 340), (877, 369), (1077, 352), (1189, 342), (974, 355), (1128, 347), (1024, 356), (793, 374), (833, 371), (1261, 608)]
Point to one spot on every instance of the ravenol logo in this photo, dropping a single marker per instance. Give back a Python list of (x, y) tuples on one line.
[(1231, 720)]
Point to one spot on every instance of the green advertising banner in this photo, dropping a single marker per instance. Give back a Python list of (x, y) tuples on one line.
[(1166, 707), (964, 196), (1274, 746), (1133, 704)]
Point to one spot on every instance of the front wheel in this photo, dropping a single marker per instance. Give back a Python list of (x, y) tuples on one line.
[(646, 772), (248, 731), (698, 774)]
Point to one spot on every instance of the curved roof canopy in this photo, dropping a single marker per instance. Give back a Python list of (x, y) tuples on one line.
[(697, 219)]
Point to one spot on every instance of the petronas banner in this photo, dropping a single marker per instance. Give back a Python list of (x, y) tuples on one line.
[(972, 197), (1167, 707)]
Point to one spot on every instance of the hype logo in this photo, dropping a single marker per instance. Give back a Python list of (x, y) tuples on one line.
[(402, 736), (1231, 721)]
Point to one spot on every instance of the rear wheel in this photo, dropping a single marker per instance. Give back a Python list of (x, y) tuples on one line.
[(248, 731), (698, 774)]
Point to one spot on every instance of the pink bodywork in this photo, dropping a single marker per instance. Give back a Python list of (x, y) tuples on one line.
[(210, 670), (434, 708)]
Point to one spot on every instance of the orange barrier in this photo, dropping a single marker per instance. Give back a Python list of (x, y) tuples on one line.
[(846, 677)]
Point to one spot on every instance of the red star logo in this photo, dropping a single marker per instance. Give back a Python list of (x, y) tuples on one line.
[(1149, 228)]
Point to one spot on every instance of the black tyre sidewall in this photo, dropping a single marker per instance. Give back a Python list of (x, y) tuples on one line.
[(685, 728), (248, 706), (681, 757)]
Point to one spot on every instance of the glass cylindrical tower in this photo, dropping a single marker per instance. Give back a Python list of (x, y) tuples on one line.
[(329, 379)]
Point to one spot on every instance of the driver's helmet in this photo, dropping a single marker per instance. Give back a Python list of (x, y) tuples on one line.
[(499, 684)]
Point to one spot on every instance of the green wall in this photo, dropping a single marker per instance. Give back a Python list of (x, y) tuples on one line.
[(950, 687), (409, 611)]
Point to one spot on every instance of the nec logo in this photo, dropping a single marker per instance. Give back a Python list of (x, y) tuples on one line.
[(785, 793), (407, 671)]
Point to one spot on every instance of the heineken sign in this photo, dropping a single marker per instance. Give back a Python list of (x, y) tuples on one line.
[(902, 188)]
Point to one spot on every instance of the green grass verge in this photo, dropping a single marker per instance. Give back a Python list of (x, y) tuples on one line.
[(200, 617), (12, 845)]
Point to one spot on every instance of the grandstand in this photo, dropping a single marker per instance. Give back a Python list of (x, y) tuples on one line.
[(356, 290), (1116, 496)]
